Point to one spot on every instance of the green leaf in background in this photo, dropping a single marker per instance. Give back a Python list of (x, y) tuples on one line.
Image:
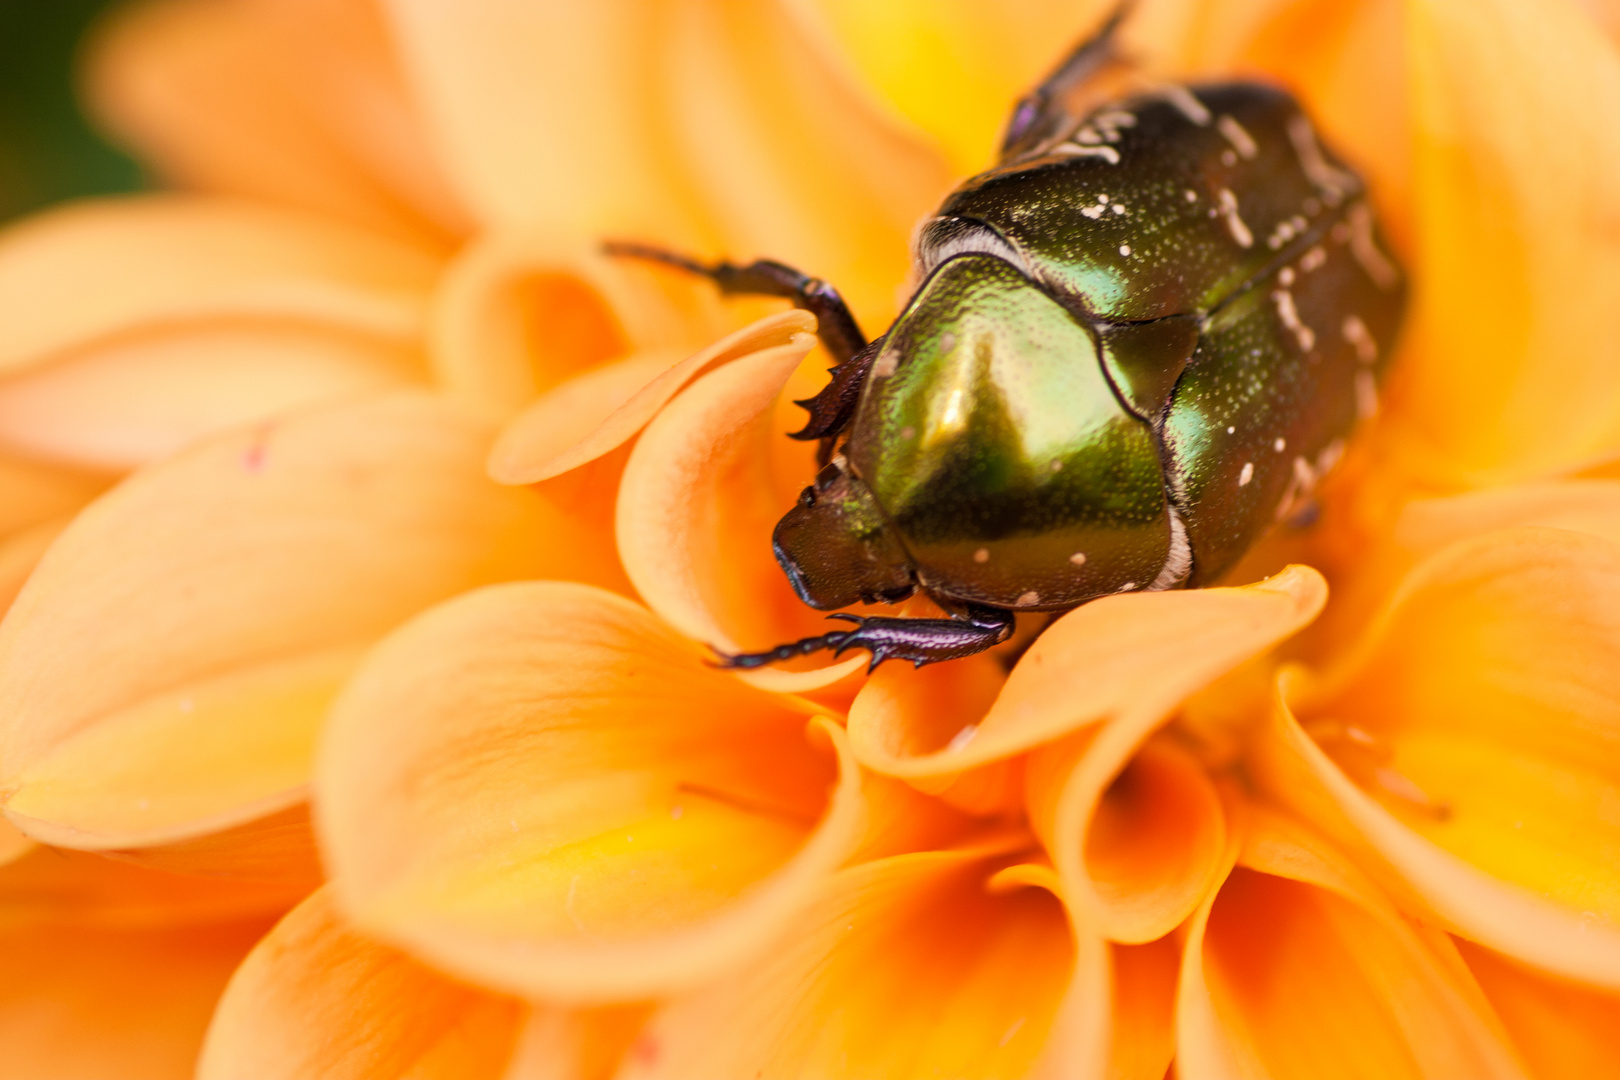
[(48, 150)]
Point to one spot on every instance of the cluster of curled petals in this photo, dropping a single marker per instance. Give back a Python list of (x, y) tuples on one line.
[(367, 534)]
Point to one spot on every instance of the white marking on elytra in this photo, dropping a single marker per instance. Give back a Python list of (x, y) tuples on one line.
[(947, 341), (1279, 444), (1286, 276), (1029, 599), (1103, 198), (1234, 224), (1104, 127), (982, 555), (1231, 429), (1356, 333), (1246, 475), (908, 432), (1069, 149), (1192, 196), (1127, 587), (1187, 102), (1283, 233), (885, 366), (1366, 394), (1125, 249), (1289, 314), (1119, 208), (1228, 158), (1365, 249), (1333, 181), (1300, 488), (1078, 558), (1240, 139), (1329, 457), (1313, 259)]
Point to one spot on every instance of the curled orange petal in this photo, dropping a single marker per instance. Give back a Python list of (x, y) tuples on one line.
[(221, 599), (1564, 1031), (916, 965), (1298, 968), (703, 489), (1471, 727), (1130, 659), (316, 1000), (1136, 831), (542, 787)]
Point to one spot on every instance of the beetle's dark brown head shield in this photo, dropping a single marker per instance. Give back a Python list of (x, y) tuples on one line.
[(836, 547)]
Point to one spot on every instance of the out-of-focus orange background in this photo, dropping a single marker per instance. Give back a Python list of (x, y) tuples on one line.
[(48, 150)]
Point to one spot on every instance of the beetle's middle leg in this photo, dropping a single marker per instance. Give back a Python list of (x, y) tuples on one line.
[(1043, 115), (834, 407), (922, 641)]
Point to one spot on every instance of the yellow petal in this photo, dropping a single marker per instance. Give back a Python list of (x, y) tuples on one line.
[(703, 490), (575, 1044), (299, 102), (1136, 832), (1130, 659), (522, 309), (1475, 724), (130, 327), (707, 126), (542, 787), (1299, 968), (221, 597), (317, 1001), (1511, 347), (906, 967), (35, 492), (601, 410), (1563, 1030), (955, 68)]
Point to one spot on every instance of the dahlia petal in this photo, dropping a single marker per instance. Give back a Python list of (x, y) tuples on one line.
[(601, 410), (1298, 967), (575, 1044), (710, 127), (1474, 725), (220, 598), (1130, 659), (97, 1001), (701, 493), (1136, 831), (131, 327), (316, 1001), (541, 787), (1512, 347), (905, 967), (298, 103), (954, 69), (520, 310), (33, 493), (1565, 1031)]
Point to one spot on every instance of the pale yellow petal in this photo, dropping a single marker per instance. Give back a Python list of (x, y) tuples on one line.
[(1298, 967), (703, 490), (33, 493), (220, 599), (1136, 831), (709, 126), (905, 967), (295, 102), (542, 787), (317, 1001), (1130, 659), (575, 1044), (1476, 723), (1518, 256)]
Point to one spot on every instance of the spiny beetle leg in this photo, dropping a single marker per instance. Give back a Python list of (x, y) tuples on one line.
[(832, 410), (1043, 112), (836, 326), (922, 641)]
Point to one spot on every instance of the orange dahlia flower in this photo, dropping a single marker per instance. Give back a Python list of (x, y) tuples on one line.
[(368, 532)]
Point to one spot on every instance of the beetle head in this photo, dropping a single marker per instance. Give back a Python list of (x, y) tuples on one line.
[(836, 547)]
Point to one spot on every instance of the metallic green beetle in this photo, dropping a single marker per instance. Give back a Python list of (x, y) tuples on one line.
[(1139, 340)]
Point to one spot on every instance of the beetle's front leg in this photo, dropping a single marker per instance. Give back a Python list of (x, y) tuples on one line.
[(836, 325), (922, 641)]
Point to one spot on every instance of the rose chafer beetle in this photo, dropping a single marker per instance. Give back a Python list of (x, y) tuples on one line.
[(1138, 341)]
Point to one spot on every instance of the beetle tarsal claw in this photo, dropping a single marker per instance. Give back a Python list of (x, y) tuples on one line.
[(922, 641)]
